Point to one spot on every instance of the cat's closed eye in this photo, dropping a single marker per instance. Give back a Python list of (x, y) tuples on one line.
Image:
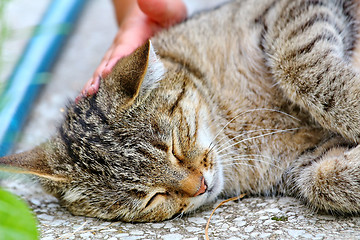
[(178, 157), (176, 150), (155, 199)]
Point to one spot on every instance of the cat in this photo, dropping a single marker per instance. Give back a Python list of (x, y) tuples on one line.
[(257, 96)]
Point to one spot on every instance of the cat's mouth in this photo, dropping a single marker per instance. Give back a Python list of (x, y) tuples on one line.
[(214, 186)]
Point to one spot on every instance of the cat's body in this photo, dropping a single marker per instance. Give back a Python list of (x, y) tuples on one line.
[(258, 97)]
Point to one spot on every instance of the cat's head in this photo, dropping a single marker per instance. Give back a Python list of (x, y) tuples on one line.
[(139, 150)]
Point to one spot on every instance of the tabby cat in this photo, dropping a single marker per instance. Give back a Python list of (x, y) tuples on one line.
[(256, 97)]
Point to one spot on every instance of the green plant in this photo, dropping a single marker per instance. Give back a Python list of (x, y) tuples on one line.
[(16, 219), (281, 218)]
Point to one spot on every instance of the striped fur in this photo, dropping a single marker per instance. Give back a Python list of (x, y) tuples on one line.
[(258, 97)]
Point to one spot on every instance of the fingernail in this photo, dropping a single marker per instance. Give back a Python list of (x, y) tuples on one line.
[(91, 90)]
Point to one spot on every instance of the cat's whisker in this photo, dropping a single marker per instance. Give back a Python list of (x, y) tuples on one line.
[(239, 163), (251, 167), (222, 129), (180, 215), (246, 133), (212, 143), (260, 161), (250, 138), (243, 155), (256, 137), (249, 111), (224, 137)]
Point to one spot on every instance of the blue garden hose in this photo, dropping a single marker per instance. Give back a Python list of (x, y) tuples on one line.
[(33, 68)]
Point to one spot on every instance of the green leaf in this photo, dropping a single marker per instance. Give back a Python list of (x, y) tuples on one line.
[(281, 218), (16, 220)]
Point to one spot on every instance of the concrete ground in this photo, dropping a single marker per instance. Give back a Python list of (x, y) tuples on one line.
[(250, 218)]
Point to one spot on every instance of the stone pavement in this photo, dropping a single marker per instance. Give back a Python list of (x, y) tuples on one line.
[(250, 218)]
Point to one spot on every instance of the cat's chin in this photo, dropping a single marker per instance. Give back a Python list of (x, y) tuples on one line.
[(215, 183)]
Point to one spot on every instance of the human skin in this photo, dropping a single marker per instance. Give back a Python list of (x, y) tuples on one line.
[(138, 20)]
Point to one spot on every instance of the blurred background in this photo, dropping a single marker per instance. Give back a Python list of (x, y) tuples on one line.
[(86, 45)]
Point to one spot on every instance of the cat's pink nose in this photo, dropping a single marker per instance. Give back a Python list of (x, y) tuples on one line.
[(202, 188)]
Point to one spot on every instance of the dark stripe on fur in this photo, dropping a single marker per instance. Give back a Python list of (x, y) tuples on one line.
[(179, 98), (99, 112), (319, 17), (308, 47)]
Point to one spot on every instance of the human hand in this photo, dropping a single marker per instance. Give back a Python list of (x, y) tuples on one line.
[(141, 20)]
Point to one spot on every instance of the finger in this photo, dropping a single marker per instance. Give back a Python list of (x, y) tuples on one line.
[(104, 61), (133, 37), (83, 92), (94, 86), (118, 53), (164, 12)]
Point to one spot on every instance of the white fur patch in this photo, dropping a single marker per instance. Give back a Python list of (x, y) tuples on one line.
[(72, 195), (204, 137), (154, 73)]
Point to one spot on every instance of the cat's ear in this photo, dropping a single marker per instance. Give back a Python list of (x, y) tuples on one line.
[(136, 74), (35, 162)]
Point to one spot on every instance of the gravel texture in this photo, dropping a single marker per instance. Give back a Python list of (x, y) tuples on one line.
[(250, 218)]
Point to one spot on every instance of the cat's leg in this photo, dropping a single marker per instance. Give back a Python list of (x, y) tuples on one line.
[(328, 178), (308, 47)]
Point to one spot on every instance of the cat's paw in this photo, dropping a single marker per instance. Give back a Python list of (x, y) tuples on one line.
[(331, 181)]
